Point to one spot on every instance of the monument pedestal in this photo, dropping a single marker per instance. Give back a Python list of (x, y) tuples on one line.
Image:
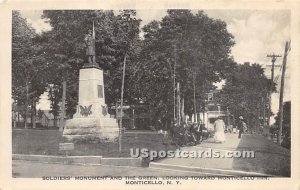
[(91, 122)]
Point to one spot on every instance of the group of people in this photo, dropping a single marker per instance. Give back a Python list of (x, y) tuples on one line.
[(219, 129), (188, 134)]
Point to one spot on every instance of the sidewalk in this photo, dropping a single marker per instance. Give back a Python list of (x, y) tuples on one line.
[(269, 159)]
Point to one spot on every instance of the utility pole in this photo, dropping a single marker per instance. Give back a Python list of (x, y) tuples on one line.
[(274, 57), (286, 51)]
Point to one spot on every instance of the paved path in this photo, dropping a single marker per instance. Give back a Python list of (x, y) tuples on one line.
[(269, 157)]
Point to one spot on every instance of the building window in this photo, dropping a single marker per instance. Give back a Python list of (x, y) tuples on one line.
[(100, 91), (210, 96)]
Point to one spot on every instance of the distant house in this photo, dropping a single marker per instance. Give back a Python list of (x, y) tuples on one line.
[(43, 117), (47, 119), (213, 111), (17, 117)]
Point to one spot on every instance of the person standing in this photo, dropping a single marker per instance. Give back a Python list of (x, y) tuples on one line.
[(90, 47), (234, 130), (240, 126), (219, 127)]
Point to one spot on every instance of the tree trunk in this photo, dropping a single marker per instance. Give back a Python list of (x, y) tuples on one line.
[(248, 124), (14, 118), (178, 103), (26, 105), (33, 115), (62, 117), (227, 117), (194, 86), (55, 121), (264, 111), (182, 110), (191, 116)]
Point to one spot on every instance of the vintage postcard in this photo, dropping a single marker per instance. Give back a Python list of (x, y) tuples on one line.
[(149, 94)]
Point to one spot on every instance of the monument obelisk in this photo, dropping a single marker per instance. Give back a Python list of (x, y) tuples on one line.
[(91, 122)]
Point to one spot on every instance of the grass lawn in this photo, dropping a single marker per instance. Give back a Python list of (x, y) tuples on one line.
[(269, 158), (46, 142)]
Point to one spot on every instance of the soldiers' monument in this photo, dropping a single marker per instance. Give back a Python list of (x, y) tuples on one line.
[(91, 121)]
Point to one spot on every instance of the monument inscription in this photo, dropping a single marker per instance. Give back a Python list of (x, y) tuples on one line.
[(100, 91)]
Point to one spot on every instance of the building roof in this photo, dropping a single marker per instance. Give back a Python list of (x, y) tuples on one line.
[(50, 115)]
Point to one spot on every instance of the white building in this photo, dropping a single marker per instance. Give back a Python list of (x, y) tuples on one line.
[(212, 112)]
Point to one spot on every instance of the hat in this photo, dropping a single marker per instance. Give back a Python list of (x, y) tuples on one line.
[(241, 117)]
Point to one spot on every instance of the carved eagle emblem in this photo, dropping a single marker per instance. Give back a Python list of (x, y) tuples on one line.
[(85, 111)]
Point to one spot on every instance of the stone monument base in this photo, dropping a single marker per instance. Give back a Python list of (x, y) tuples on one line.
[(91, 129), (91, 122)]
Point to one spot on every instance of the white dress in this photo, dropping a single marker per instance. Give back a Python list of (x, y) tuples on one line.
[(219, 126)]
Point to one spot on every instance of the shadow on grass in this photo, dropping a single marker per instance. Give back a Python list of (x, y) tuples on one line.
[(269, 158)]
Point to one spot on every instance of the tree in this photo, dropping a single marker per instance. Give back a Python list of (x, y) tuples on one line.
[(28, 64), (244, 91), (126, 30), (64, 46), (54, 94), (114, 34), (196, 47)]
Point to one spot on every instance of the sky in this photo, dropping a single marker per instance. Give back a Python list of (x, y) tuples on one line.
[(257, 33)]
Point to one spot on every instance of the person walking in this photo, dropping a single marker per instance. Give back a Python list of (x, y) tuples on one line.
[(219, 127), (241, 126)]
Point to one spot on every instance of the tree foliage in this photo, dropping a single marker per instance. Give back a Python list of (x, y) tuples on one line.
[(245, 92), (196, 45), (65, 42), (28, 65), (193, 48)]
